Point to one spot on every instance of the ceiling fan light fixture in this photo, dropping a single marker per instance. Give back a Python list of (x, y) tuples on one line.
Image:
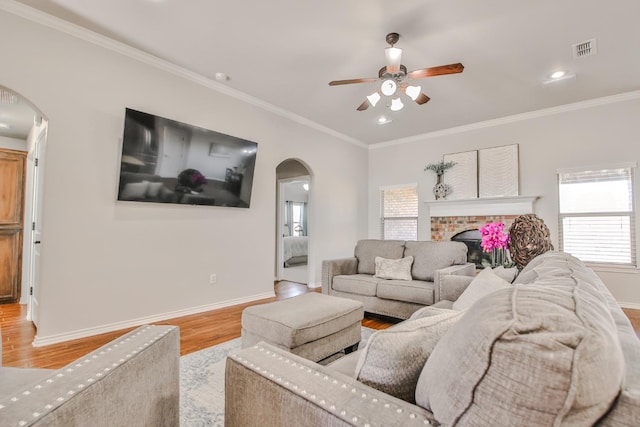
[(396, 104), (388, 87), (393, 55), (413, 92), (374, 98)]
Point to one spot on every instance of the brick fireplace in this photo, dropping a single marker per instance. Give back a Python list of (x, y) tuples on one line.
[(450, 217), (445, 227)]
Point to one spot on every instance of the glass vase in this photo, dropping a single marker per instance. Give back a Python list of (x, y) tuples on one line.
[(498, 257)]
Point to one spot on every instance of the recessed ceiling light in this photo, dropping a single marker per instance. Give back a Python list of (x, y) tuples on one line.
[(559, 76), (383, 120)]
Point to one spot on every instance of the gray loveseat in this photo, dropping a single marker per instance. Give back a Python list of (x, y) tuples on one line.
[(132, 381), (554, 348), (354, 277)]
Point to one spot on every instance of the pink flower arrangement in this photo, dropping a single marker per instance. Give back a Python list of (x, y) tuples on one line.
[(494, 237)]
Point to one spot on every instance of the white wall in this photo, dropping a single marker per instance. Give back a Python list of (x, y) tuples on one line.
[(13, 143), (603, 134), (107, 264)]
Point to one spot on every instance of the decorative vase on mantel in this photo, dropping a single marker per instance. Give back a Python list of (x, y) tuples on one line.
[(441, 190)]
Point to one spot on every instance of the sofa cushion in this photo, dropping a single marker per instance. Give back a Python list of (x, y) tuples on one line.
[(528, 355), (393, 269), (416, 291), (429, 256), (508, 274), (429, 311), (366, 252), (393, 358), (485, 283), (361, 284)]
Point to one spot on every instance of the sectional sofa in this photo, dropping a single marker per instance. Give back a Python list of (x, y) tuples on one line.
[(553, 348)]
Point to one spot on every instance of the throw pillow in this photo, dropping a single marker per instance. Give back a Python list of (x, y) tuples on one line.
[(393, 358), (393, 269), (528, 355), (483, 284), (507, 274)]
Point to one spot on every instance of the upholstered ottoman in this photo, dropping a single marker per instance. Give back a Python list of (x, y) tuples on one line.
[(313, 325)]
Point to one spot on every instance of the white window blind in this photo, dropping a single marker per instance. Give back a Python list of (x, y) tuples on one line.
[(597, 219), (399, 213)]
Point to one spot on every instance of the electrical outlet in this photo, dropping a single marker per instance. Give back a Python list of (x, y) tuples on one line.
[(213, 279)]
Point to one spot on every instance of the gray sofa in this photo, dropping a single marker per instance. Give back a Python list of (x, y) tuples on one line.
[(132, 381), (553, 348), (354, 277)]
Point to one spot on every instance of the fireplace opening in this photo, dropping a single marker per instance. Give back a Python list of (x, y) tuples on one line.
[(475, 254)]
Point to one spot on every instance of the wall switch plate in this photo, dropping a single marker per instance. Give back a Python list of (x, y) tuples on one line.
[(213, 279)]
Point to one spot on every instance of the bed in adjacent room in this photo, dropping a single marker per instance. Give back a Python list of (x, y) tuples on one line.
[(295, 250)]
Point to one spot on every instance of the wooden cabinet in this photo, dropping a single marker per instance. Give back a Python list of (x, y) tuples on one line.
[(12, 181)]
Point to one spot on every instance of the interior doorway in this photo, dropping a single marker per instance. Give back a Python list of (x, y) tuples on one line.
[(293, 231), (24, 129)]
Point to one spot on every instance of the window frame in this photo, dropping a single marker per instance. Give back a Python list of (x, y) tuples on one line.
[(633, 232), (382, 219)]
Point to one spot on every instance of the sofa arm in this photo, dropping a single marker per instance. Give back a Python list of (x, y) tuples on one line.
[(267, 386), (133, 380), (457, 279), (337, 267)]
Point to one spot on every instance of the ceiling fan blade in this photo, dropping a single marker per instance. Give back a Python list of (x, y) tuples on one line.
[(364, 105), (436, 71), (348, 82), (422, 99)]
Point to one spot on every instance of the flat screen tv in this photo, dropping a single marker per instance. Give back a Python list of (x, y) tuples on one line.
[(165, 161)]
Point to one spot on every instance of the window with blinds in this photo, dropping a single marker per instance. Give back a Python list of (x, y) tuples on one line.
[(597, 222), (399, 213)]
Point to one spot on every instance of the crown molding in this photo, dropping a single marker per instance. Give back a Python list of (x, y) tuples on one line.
[(82, 33), (596, 102)]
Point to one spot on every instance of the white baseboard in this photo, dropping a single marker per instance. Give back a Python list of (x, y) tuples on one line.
[(632, 305), (88, 332), (314, 285)]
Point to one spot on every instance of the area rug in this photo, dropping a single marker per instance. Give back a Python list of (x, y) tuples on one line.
[(202, 383)]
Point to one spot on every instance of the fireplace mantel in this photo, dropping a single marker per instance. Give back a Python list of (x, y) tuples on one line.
[(514, 205)]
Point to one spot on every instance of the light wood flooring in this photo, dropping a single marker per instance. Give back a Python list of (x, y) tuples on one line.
[(197, 331)]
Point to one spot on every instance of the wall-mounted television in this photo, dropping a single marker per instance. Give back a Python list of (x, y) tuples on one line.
[(165, 161)]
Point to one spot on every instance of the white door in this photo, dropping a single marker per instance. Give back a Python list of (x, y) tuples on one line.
[(36, 221), (174, 146)]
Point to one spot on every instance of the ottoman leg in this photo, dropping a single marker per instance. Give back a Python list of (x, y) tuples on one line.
[(351, 348)]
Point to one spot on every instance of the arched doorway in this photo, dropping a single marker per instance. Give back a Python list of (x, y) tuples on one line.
[(23, 132), (293, 230)]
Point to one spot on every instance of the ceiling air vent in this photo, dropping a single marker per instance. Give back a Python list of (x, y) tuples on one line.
[(585, 48)]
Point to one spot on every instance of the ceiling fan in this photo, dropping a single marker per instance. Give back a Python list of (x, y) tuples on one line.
[(395, 78)]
